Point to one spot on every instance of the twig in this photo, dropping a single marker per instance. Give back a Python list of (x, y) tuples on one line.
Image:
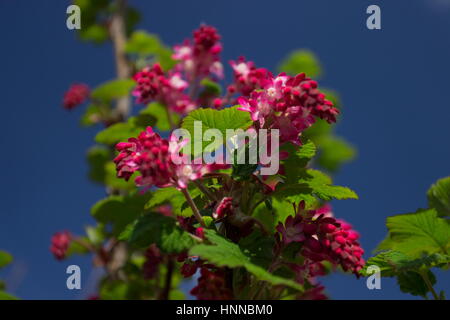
[(168, 280), (194, 208), (429, 285), (205, 190)]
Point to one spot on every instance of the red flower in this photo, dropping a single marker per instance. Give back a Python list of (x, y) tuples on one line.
[(324, 238), (290, 104), (60, 244), (76, 95), (212, 286), (152, 157), (200, 58), (153, 258), (247, 77), (225, 208), (153, 85)]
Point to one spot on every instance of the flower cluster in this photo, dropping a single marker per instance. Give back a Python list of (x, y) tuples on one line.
[(324, 239), (248, 78), (290, 104), (60, 244), (153, 157), (200, 58), (153, 85), (76, 95), (212, 285)]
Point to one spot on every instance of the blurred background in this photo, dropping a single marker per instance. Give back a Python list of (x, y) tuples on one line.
[(394, 85)]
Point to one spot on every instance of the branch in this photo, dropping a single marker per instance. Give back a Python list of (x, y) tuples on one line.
[(194, 208), (118, 36), (168, 280)]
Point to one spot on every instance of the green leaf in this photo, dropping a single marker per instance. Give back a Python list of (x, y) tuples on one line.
[(334, 152), (313, 183), (297, 160), (417, 233), (5, 258), (229, 118), (222, 252), (119, 210), (301, 61), (210, 88), (114, 89), (158, 229), (97, 157), (174, 197), (116, 133), (439, 197), (393, 262), (159, 111), (7, 296), (95, 33), (92, 115), (145, 44), (413, 283)]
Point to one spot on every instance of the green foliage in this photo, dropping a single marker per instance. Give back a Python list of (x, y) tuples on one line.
[(222, 252), (334, 152), (312, 183), (175, 198), (423, 227), (439, 197), (229, 118), (93, 28), (159, 112), (210, 88), (413, 283), (393, 262), (158, 229), (113, 89), (102, 170), (6, 296), (119, 211), (5, 258), (122, 131), (144, 44), (301, 61), (412, 273)]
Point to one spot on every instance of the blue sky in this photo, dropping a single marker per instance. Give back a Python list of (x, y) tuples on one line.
[(393, 82)]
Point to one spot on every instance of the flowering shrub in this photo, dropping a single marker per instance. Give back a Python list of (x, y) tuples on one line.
[(239, 233)]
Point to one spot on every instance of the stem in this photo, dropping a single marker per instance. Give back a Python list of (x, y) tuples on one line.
[(169, 118), (167, 281), (119, 40), (205, 190), (429, 285), (194, 208)]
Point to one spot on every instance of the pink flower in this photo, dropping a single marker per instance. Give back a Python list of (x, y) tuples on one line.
[(60, 244), (289, 104), (200, 58), (292, 230), (247, 77), (153, 156), (76, 95), (152, 84), (324, 238)]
